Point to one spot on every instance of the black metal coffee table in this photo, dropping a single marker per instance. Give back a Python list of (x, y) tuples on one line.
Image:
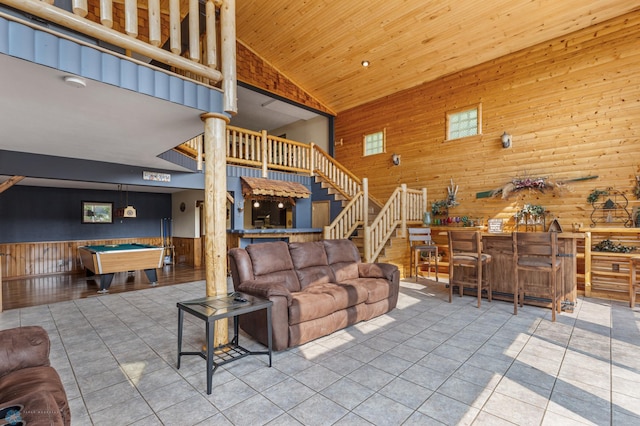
[(211, 309)]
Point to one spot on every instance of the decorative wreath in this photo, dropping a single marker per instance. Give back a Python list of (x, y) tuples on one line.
[(538, 184)]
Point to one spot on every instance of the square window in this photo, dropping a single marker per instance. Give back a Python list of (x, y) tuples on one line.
[(463, 123), (374, 143)]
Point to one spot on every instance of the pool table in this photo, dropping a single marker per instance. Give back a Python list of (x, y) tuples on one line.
[(105, 260)]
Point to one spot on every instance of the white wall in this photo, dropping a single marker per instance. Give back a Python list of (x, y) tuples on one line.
[(315, 130), (186, 224)]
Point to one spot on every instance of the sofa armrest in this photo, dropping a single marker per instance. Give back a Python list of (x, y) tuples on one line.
[(265, 289), (377, 270), (23, 347)]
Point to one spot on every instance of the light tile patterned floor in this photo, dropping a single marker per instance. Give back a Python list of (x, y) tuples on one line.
[(426, 362)]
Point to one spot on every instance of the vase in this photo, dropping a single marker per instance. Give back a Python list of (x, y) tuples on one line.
[(426, 219)]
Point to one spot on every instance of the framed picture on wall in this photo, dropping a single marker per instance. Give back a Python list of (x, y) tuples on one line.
[(97, 212)]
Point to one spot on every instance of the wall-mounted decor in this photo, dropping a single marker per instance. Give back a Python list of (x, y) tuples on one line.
[(609, 208), (97, 212), (540, 184)]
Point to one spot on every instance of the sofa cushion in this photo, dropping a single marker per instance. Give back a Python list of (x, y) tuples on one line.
[(377, 288), (23, 347), (304, 255), (343, 258), (311, 264), (311, 303), (319, 300), (272, 262)]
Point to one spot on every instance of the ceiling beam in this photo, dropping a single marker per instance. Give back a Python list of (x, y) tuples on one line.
[(9, 183)]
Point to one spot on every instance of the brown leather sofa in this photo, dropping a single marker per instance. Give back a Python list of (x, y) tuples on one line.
[(316, 288), (30, 389)]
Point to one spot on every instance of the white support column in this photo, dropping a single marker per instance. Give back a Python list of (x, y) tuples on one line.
[(215, 212)]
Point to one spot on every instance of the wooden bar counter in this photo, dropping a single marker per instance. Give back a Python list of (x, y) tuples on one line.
[(501, 270)]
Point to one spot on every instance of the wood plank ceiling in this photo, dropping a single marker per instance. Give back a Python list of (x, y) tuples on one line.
[(320, 44)]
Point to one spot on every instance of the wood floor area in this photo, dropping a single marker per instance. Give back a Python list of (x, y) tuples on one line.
[(42, 290)]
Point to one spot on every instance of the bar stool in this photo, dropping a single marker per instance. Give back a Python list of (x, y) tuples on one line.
[(634, 284), (419, 242), (465, 250), (537, 251)]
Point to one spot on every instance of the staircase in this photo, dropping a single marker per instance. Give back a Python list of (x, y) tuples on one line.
[(377, 228)]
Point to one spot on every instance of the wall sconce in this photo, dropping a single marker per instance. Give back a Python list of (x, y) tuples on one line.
[(395, 158), (506, 140)]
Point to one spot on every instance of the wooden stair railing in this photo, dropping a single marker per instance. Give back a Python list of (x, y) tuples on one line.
[(403, 207), (348, 221), (335, 173), (258, 149)]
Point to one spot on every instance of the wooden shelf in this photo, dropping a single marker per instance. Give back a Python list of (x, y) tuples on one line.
[(609, 271)]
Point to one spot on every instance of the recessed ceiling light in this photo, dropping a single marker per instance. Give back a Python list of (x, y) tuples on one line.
[(76, 82), (365, 63)]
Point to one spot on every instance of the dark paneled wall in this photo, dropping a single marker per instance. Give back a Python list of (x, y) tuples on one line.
[(31, 214)]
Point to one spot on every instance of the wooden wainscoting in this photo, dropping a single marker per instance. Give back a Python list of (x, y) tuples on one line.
[(188, 251), (52, 257)]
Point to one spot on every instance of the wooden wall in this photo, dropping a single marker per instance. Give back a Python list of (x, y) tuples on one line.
[(257, 72), (45, 258), (572, 106)]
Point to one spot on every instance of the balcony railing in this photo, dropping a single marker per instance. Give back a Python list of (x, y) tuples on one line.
[(152, 29)]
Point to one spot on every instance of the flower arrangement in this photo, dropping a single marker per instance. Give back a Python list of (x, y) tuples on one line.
[(533, 183)]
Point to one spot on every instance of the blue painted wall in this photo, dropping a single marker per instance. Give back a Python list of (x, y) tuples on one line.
[(32, 214)]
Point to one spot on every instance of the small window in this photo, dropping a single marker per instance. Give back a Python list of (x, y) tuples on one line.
[(464, 123), (374, 143)]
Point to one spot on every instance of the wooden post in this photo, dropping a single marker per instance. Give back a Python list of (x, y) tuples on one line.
[(174, 26), (79, 7), (194, 30), (587, 264), (425, 204), (365, 219), (212, 42), (154, 22), (228, 35), (403, 210), (312, 159), (106, 13), (131, 17), (199, 148), (264, 145), (215, 212)]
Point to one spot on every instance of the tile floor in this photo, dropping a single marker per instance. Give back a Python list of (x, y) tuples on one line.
[(426, 362)]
